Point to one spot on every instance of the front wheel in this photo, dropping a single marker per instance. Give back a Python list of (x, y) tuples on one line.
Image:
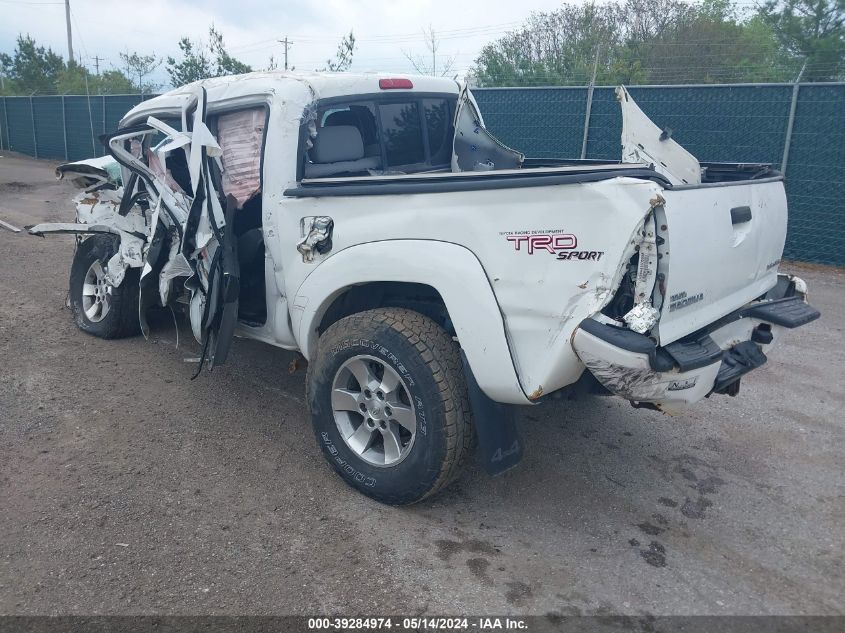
[(98, 308), (389, 404)]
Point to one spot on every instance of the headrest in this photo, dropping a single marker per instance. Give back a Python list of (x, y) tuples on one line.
[(337, 143)]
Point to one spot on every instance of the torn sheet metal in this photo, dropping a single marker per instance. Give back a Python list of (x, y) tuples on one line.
[(9, 227), (643, 316), (316, 236), (241, 134), (71, 228), (170, 226), (91, 173), (474, 148), (644, 142)]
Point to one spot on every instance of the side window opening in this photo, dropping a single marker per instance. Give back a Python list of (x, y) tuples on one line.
[(240, 135)]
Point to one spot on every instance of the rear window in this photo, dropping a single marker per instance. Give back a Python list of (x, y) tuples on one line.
[(402, 132), (438, 122), (398, 135)]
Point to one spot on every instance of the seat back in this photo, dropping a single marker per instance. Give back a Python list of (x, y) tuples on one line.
[(339, 149)]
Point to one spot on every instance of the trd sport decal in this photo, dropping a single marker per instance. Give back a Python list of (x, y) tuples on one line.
[(557, 243)]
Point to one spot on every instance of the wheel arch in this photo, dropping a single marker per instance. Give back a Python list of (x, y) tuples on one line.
[(419, 297), (442, 280)]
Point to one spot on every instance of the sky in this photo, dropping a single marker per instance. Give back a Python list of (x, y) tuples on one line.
[(384, 29)]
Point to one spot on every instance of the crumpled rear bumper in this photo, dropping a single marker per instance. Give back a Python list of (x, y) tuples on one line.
[(712, 360)]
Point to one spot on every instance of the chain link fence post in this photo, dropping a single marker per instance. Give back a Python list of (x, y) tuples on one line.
[(793, 106), (34, 135), (8, 131), (588, 110), (64, 126), (789, 125), (7, 126)]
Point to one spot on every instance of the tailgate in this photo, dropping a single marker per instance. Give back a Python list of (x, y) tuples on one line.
[(722, 249)]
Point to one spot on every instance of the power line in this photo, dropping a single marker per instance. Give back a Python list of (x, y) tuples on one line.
[(388, 38), (24, 2)]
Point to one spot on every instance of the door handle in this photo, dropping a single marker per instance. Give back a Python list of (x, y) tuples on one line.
[(740, 215)]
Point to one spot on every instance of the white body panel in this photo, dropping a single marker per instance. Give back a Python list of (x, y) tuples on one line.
[(713, 266), (644, 142), (450, 268), (541, 298)]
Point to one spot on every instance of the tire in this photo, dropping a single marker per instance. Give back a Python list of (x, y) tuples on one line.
[(430, 385), (115, 314)]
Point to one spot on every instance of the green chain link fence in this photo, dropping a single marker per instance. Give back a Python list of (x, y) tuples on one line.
[(801, 128)]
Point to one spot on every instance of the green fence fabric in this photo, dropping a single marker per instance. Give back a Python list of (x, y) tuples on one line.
[(732, 123), (815, 177), (49, 128), (719, 123), (542, 123), (21, 137)]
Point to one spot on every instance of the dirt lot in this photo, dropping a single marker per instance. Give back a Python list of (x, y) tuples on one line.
[(127, 488)]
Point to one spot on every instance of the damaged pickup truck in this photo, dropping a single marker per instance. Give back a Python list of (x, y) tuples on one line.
[(431, 275)]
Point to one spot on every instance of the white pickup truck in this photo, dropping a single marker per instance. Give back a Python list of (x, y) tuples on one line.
[(430, 274)]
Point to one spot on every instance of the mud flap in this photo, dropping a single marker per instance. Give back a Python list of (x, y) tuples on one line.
[(499, 443)]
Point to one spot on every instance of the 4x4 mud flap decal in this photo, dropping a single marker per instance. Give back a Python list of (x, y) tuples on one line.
[(499, 443)]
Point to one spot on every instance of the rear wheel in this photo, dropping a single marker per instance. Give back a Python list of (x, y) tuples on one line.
[(99, 308), (389, 404)]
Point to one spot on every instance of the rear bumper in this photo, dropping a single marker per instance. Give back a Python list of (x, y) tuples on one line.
[(711, 360)]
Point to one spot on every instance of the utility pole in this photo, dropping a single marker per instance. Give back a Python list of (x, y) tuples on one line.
[(286, 44), (97, 59), (69, 35), (433, 52)]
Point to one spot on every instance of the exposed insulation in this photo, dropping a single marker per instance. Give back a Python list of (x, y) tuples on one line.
[(240, 135)]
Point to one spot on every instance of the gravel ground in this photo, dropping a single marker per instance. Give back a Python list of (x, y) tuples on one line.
[(126, 488)]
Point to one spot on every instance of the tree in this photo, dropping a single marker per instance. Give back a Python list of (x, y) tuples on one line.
[(114, 82), (34, 69), (226, 64), (343, 56), (421, 63), (705, 43), (140, 66), (31, 68), (813, 30), (636, 41), (194, 64), (201, 61), (76, 79), (558, 47)]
